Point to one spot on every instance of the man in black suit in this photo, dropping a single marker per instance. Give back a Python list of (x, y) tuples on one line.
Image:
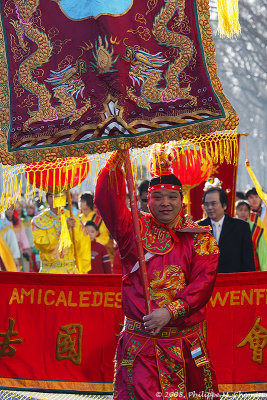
[(233, 235)]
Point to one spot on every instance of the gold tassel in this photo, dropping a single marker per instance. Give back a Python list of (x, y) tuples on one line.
[(34, 184), (27, 185), (47, 180), (54, 180), (20, 186), (66, 178), (228, 18), (72, 173), (201, 154), (195, 152), (41, 186), (11, 192), (7, 195), (16, 193), (60, 178), (64, 240), (90, 170), (80, 175), (147, 162), (189, 154), (221, 151), (59, 201)]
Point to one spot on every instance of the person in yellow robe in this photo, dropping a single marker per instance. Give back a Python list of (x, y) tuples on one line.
[(7, 262), (46, 234), (9, 248), (89, 214)]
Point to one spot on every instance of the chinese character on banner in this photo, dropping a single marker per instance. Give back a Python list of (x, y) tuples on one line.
[(5, 346), (69, 343), (257, 340)]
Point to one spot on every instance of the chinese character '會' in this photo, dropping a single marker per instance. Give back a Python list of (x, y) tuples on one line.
[(257, 339)]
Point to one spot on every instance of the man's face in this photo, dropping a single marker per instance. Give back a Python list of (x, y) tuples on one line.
[(213, 206), (242, 212), (254, 201), (165, 205), (92, 232), (144, 201)]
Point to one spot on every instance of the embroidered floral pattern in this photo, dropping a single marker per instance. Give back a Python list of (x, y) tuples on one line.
[(155, 238), (178, 308), (128, 360), (207, 378), (176, 350), (205, 244), (173, 375)]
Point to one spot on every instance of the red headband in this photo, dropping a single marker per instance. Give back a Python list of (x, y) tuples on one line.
[(165, 186)]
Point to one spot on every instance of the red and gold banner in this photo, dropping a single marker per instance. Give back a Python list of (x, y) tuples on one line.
[(59, 332), (86, 77), (237, 331)]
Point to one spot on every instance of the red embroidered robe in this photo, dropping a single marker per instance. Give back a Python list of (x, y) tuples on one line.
[(181, 276)]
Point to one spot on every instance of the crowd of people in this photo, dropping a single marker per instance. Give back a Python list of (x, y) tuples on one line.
[(29, 234)]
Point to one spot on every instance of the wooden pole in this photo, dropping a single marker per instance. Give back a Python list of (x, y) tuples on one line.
[(140, 250), (72, 232)]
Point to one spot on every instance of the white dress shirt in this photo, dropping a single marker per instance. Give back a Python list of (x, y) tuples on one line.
[(217, 228)]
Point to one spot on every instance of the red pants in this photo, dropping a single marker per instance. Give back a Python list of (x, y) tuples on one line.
[(163, 367)]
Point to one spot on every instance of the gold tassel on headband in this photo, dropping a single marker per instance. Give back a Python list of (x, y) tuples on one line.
[(59, 201), (228, 18)]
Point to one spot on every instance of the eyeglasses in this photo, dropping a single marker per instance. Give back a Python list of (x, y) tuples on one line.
[(211, 203)]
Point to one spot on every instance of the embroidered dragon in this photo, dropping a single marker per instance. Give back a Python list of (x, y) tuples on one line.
[(146, 68), (67, 84), (171, 278)]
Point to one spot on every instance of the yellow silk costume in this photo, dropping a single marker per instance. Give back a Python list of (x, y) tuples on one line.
[(46, 233), (5, 252), (103, 237), (6, 256)]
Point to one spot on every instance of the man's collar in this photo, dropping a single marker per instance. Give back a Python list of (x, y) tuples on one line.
[(218, 222)]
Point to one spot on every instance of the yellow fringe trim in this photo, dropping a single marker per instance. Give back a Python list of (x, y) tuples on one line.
[(222, 147), (228, 18)]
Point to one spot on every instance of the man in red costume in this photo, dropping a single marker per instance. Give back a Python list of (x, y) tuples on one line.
[(163, 354)]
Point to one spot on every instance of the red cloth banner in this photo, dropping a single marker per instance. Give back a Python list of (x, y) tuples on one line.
[(237, 331), (58, 332)]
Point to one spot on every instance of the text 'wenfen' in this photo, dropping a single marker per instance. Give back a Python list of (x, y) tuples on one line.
[(239, 298)]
